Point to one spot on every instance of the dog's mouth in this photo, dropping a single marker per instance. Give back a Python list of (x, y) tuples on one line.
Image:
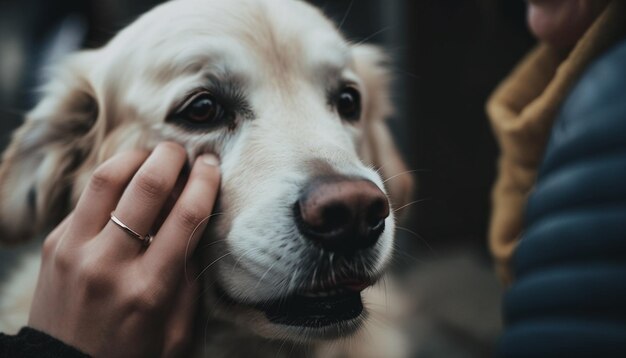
[(317, 308)]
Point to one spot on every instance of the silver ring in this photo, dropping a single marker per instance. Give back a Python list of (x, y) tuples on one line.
[(145, 240)]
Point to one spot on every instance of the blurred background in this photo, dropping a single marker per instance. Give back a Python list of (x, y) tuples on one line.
[(448, 55)]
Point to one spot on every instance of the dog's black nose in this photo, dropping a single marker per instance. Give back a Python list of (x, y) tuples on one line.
[(342, 214)]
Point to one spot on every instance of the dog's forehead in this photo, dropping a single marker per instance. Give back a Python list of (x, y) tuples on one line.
[(284, 34)]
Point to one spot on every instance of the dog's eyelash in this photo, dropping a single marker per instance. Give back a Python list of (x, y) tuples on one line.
[(230, 99), (231, 96), (189, 99)]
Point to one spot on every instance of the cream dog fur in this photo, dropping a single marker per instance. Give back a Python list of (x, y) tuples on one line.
[(274, 69)]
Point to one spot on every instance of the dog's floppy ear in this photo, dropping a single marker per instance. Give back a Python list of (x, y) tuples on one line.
[(378, 147), (38, 166)]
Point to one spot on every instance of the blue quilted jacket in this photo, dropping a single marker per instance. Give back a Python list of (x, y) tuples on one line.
[(569, 299)]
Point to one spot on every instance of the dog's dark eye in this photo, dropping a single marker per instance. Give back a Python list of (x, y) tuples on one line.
[(349, 103), (202, 108)]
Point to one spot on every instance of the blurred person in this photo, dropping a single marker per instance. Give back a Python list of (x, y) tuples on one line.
[(573, 33), (559, 203)]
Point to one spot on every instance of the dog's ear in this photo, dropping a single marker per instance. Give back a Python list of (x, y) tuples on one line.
[(38, 166), (378, 147)]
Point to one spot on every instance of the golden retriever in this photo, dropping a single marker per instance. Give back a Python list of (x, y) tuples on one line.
[(293, 110)]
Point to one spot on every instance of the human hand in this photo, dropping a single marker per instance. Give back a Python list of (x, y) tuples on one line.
[(102, 291)]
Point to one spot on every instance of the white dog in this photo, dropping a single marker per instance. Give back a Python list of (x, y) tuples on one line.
[(295, 112)]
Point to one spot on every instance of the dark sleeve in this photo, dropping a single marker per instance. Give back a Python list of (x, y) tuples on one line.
[(569, 299), (30, 343)]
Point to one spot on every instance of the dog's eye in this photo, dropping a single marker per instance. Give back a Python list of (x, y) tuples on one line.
[(349, 103), (202, 108)]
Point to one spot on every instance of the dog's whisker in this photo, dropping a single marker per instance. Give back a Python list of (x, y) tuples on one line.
[(418, 236), (242, 256), (406, 73), (281, 347), (368, 333), (378, 319), (213, 243), (375, 305), (294, 275), (313, 277), (219, 299), (193, 233), (293, 345), (409, 204), (206, 287), (404, 173), (363, 266), (345, 16), (263, 276), (202, 222), (396, 261), (212, 263), (386, 28), (376, 168), (413, 259)]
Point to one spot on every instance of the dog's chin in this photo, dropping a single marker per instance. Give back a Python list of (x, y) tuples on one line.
[(302, 317)]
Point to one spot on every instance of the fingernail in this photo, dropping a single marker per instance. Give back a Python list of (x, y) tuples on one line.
[(211, 160)]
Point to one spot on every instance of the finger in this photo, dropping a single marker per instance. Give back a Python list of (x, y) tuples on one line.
[(181, 321), (103, 191), (143, 199), (53, 239), (61, 228), (179, 234)]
